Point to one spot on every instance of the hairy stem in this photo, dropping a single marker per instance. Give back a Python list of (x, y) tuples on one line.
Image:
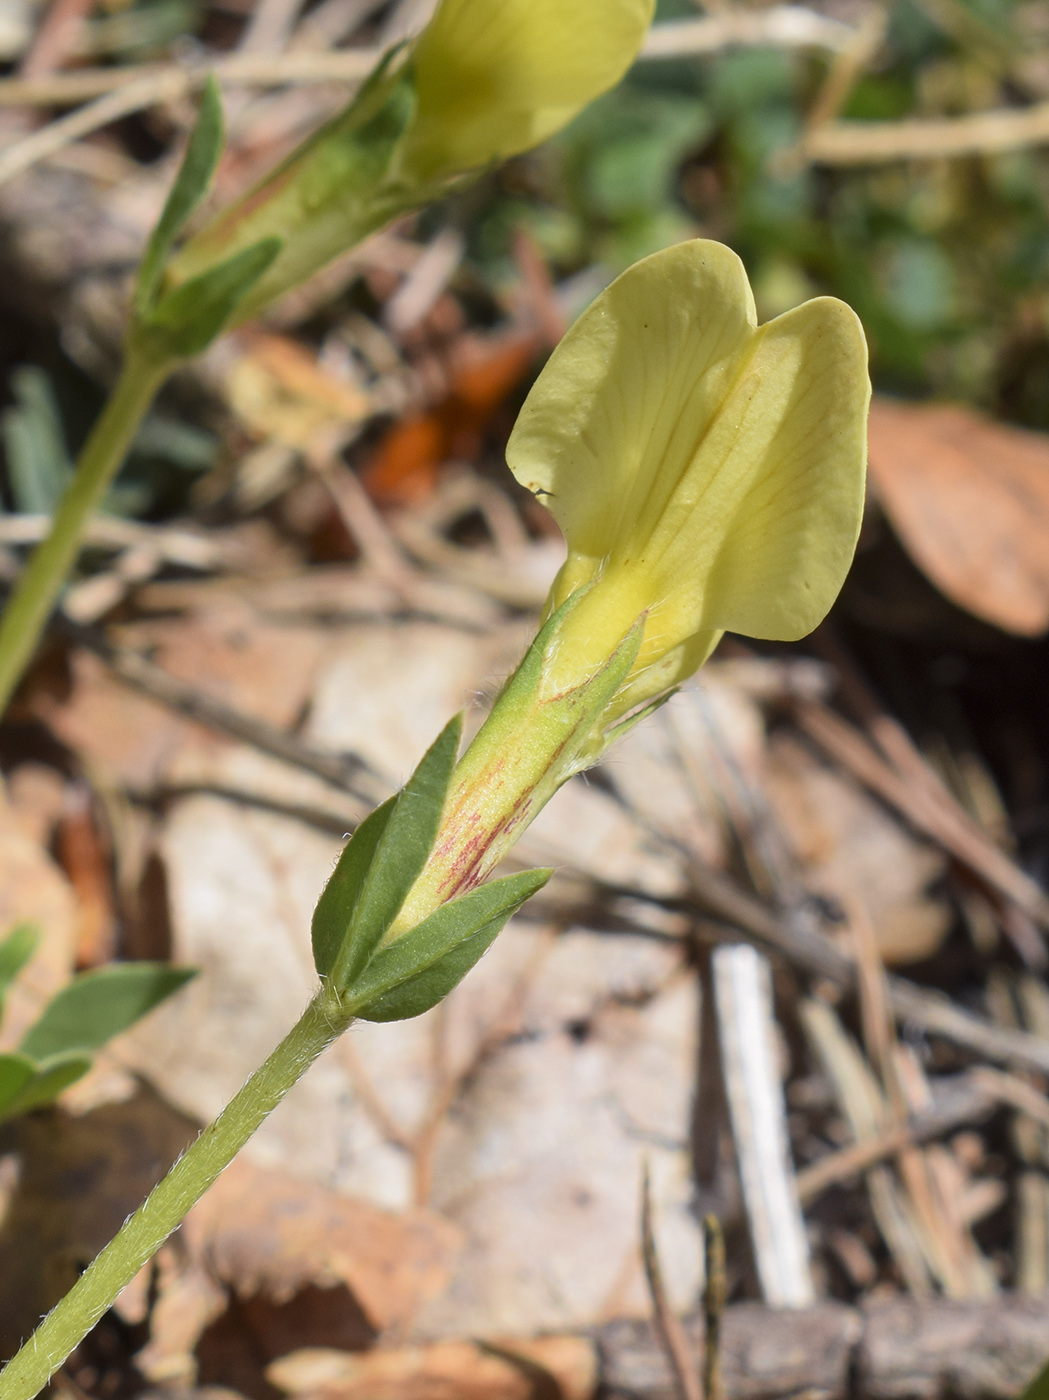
[(143, 1234), (25, 616)]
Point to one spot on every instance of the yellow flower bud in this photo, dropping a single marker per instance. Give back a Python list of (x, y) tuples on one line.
[(496, 77), (708, 473)]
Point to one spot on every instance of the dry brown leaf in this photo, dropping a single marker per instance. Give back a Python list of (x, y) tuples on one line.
[(262, 669), (969, 499), (37, 795), (386, 691), (269, 1238), (540, 1165), (242, 884), (444, 1371), (34, 890), (266, 1232)]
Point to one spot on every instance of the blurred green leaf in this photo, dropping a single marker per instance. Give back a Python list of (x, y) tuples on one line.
[(182, 444), (38, 462), (879, 97), (15, 951), (419, 968), (26, 1084), (191, 185), (148, 26), (186, 320), (919, 284), (100, 1004), (16, 1071)]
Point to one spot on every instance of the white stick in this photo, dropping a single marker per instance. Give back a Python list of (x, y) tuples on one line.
[(746, 1032)]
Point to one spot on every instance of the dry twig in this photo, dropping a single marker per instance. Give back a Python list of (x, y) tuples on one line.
[(671, 1333), (980, 133)]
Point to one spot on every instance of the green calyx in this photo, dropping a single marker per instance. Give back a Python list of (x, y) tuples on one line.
[(535, 738), (383, 978), (406, 912), (327, 196)]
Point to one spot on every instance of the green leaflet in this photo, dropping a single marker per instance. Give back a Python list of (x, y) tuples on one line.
[(56, 1051), (38, 463), (15, 951), (187, 319), (191, 184), (100, 1004), (333, 916), (419, 968), (26, 1084), (380, 865), (16, 1071)]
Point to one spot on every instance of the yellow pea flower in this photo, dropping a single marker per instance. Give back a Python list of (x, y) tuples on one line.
[(495, 77), (708, 473)]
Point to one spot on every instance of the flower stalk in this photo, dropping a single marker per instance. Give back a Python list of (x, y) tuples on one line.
[(30, 606)]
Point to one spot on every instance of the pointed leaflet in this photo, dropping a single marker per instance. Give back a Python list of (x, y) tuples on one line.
[(419, 968), (99, 1005), (15, 951), (333, 916), (191, 185), (25, 1085), (187, 319), (370, 887)]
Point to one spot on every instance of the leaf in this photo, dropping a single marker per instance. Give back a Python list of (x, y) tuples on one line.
[(400, 855), (15, 951), (419, 968), (969, 501), (191, 184), (100, 1004), (26, 1084), (16, 1071), (38, 461), (189, 318), (335, 909)]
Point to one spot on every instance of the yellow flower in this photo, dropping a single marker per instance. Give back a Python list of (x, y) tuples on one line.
[(708, 473), (496, 77)]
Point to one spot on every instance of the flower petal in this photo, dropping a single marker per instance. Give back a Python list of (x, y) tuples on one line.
[(799, 454), (703, 470)]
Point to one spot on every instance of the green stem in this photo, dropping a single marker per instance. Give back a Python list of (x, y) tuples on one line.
[(25, 616), (143, 1234)]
